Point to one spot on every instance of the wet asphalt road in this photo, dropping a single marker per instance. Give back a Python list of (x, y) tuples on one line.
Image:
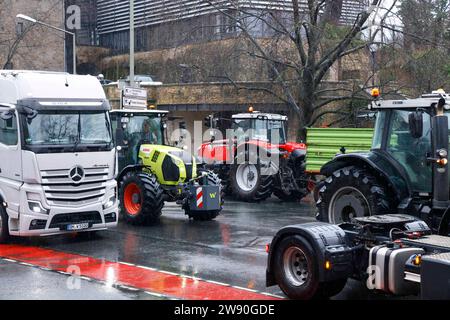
[(230, 250)]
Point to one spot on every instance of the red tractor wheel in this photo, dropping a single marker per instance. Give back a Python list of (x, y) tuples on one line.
[(141, 198)]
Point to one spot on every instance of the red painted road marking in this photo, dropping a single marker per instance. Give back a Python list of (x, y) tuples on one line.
[(117, 273)]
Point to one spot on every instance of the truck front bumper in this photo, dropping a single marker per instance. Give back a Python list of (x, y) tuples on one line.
[(59, 218), (53, 219)]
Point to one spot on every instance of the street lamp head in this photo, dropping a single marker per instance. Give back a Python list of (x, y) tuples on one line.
[(27, 18)]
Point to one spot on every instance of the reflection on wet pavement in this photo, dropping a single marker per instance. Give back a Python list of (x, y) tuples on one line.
[(229, 250)]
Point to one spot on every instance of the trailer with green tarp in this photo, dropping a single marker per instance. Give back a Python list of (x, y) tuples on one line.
[(324, 143)]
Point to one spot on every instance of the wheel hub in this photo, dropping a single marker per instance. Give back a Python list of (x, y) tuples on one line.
[(132, 199), (136, 198), (296, 267), (346, 204)]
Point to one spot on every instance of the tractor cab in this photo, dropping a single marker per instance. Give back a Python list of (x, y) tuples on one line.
[(403, 135), (151, 172), (404, 172), (256, 160), (135, 128), (266, 127)]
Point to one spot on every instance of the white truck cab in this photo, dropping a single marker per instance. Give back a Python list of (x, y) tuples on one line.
[(57, 157)]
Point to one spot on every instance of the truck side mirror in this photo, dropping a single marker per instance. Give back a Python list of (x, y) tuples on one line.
[(416, 124)]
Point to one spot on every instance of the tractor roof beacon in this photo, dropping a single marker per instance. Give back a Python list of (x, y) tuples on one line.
[(396, 175), (152, 172), (393, 253)]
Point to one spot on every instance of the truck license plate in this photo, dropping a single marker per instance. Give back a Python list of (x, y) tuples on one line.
[(79, 226)]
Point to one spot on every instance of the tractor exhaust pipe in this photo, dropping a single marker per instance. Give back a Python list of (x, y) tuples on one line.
[(440, 143)]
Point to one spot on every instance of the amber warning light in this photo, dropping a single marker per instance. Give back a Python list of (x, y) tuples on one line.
[(375, 92)]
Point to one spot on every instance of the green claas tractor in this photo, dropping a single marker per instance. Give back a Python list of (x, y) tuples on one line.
[(151, 172)]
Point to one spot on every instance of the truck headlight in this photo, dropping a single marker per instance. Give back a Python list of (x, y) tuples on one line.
[(36, 207), (111, 202)]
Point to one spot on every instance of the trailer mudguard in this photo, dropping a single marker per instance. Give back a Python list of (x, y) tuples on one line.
[(328, 242), (379, 164)]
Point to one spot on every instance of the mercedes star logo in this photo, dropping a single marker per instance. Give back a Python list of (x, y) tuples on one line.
[(76, 174)]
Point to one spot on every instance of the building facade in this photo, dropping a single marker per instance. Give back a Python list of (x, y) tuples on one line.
[(168, 23), (24, 46)]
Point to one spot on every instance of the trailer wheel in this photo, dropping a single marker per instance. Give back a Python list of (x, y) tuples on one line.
[(352, 192), (248, 184), (297, 272), (4, 230), (141, 198), (213, 179)]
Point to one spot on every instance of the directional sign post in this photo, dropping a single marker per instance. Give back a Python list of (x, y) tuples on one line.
[(134, 98)]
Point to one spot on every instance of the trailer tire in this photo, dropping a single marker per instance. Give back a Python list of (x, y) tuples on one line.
[(141, 198), (4, 230), (299, 278), (213, 179), (352, 192)]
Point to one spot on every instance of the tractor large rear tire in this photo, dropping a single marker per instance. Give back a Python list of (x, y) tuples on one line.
[(4, 230), (352, 192), (141, 198), (248, 184), (213, 180)]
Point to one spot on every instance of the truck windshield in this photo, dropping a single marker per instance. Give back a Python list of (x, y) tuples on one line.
[(273, 131), (67, 129)]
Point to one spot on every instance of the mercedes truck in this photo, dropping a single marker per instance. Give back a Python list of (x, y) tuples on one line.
[(57, 156)]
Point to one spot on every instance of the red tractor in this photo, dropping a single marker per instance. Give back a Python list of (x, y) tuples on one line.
[(255, 160)]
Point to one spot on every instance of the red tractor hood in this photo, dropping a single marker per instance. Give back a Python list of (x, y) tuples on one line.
[(218, 150)]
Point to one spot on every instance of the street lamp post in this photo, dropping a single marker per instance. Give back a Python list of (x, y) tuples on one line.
[(27, 18), (132, 83)]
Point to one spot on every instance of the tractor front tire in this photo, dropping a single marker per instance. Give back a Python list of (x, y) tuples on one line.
[(141, 198), (248, 184), (300, 188), (352, 192)]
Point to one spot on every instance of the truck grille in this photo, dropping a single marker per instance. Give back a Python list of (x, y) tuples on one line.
[(62, 220), (61, 190)]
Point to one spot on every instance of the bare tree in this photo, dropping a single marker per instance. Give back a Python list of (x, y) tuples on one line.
[(303, 47), (15, 35)]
